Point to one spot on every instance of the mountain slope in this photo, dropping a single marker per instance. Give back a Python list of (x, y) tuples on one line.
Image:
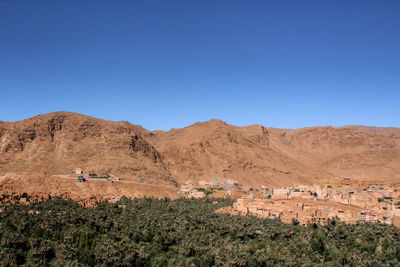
[(345, 151), (59, 142), (215, 149)]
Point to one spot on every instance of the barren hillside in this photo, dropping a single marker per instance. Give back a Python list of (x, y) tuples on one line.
[(62, 141), (59, 142), (368, 152), (215, 149)]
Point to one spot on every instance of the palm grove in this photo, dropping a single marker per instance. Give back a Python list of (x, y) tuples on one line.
[(182, 232)]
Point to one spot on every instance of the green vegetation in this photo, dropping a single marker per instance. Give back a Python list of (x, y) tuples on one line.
[(183, 232)]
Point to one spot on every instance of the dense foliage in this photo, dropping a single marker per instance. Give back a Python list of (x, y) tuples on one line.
[(183, 232)]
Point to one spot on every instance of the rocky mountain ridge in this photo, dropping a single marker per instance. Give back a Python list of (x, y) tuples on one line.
[(59, 142), (62, 141)]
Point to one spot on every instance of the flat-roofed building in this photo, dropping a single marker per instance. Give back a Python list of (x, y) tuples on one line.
[(281, 192)]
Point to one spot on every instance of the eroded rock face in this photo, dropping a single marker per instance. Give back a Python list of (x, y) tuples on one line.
[(60, 142), (139, 144), (55, 124)]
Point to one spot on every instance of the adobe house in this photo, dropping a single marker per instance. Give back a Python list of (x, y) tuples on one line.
[(281, 192)]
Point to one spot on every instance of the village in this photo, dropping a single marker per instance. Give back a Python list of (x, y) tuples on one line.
[(344, 199), (305, 203)]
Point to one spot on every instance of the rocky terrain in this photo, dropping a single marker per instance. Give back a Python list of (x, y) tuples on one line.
[(59, 142)]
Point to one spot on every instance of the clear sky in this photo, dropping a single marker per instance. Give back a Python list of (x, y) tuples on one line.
[(167, 64)]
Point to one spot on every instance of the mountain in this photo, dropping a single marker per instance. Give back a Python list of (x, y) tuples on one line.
[(364, 152), (255, 154), (59, 142), (62, 141), (215, 149)]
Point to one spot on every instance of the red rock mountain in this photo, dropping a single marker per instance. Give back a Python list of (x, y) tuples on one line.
[(61, 141)]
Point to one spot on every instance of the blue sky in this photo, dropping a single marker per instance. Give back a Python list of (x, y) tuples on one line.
[(167, 64)]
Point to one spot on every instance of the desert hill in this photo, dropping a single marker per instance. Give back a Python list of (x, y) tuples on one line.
[(278, 156), (363, 152), (215, 149), (56, 143), (62, 141)]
